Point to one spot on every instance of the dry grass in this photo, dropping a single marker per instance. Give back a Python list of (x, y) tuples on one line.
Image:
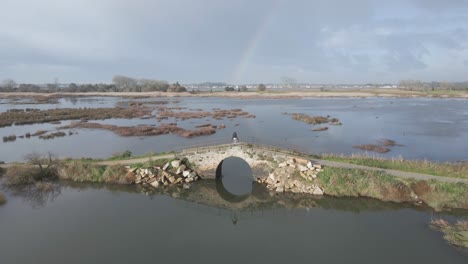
[(20, 175), (217, 114), (456, 234), (373, 148), (387, 143), (312, 120), (53, 135), (9, 138), (35, 116), (320, 129), (124, 131)]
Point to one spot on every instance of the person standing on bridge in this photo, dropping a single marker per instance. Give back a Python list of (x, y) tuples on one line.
[(234, 137)]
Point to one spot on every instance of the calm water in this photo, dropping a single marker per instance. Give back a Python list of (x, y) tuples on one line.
[(433, 129), (93, 224), (233, 220)]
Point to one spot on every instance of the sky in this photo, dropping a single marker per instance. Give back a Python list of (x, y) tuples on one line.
[(238, 42)]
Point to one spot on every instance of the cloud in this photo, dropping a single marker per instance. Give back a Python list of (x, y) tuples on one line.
[(191, 41)]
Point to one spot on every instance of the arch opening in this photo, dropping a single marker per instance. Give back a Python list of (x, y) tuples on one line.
[(234, 178)]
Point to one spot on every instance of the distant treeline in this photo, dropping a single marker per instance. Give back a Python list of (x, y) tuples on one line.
[(120, 83), (416, 85)]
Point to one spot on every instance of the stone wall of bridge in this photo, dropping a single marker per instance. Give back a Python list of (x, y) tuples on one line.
[(262, 160)]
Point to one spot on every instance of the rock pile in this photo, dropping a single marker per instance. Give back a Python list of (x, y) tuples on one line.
[(294, 177), (172, 173)]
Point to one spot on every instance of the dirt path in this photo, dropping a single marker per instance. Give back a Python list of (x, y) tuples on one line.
[(111, 162), (401, 174), (133, 161)]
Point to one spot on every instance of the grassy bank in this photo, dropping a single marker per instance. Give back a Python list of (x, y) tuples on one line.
[(456, 234), (454, 170), (374, 184), (2, 199)]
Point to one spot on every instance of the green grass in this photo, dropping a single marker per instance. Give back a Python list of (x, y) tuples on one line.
[(355, 183), (376, 184), (446, 195), (77, 170), (453, 170)]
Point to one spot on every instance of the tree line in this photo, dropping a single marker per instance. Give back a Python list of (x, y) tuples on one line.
[(119, 83), (416, 85)]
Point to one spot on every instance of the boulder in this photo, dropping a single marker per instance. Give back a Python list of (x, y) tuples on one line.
[(172, 179), (279, 189), (317, 166), (310, 165), (282, 164), (317, 191), (166, 166), (130, 177), (186, 173), (271, 179), (192, 175), (138, 179), (175, 163), (186, 186), (179, 180), (155, 184), (302, 168), (180, 169)]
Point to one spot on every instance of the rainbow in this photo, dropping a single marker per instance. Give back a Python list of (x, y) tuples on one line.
[(254, 41)]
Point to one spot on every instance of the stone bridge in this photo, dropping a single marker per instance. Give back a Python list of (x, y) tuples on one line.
[(262, 159)]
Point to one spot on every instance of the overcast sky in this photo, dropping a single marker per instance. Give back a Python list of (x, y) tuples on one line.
[(242, 41)]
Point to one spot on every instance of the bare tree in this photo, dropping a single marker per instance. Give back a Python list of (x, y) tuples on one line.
[(47, 164), (125, 83), (150, 85), (289, 81), (8, 84)]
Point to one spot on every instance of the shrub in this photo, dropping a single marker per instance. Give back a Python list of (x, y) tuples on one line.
[(115, 174), (46, 165), (122, 155), (20, 175), (9, 138)]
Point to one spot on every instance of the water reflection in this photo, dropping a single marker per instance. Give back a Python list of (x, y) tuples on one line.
[(37, 195), (208, 195), (234, 179)]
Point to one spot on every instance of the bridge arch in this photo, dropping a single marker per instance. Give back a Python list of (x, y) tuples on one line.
[(234, 179), (238, 164)]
